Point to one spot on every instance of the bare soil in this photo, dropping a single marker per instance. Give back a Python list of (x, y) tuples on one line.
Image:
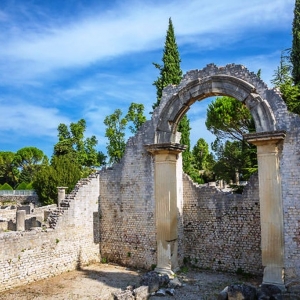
[(98, 281)]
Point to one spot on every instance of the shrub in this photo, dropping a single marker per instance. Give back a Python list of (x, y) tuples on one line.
[(6, 187), (22, 186)]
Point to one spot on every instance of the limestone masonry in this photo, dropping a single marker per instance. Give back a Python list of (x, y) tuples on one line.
[(145, 212)]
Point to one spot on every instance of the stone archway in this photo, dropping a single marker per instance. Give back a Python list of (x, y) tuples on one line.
[(235, 81)]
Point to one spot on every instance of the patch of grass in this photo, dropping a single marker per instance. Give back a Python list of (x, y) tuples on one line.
[(104, 260)]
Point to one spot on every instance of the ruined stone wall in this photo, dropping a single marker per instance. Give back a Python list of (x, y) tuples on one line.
[(7, 199), (127, 207), (41, 253), (290, 176), (222, 230)]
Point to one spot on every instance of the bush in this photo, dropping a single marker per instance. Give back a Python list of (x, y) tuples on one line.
[(6, 187), (22, 186), (63, 171)]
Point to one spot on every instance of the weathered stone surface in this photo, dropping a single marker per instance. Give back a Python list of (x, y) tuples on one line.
[(152, 280), (241, 292), (270, 291), (141, 293), (223, 294), (123, 295)]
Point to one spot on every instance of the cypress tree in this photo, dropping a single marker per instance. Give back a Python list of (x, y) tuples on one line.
[(171, 73), (295, 52)]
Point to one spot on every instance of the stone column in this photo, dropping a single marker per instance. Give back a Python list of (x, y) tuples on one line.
[(166, 210), (61, 191), (271, 207), (20, 220)]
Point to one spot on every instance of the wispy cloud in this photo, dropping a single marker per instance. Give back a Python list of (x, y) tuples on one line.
[(30, 120), (131, 28)]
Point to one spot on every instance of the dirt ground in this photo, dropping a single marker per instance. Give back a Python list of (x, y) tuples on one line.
[(98, 281)]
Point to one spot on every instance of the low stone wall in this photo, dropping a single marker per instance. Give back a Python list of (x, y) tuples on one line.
[(33, 255), (18, 199), (222, 230)]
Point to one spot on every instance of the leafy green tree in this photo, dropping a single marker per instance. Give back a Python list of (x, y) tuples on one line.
[(203, 160), (115, 132), (201, 154), (116, 126), (8, 171), (283, 80), (62, 172), (29, 160), (295, 51), (136, 116), (71, 142), (228, 118)]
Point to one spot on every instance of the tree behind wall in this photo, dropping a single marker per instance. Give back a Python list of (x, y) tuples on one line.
[(171, 73), (295, 52)]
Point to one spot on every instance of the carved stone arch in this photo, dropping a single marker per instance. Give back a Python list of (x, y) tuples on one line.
[(235, 81), (215, 85)]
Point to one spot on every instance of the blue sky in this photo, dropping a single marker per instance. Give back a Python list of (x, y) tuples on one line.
[(61, 61)]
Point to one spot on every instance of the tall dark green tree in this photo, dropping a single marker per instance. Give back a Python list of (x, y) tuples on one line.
[(295, 51), (171, 73)]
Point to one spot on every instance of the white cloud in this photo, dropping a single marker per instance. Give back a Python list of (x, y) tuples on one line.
[(132, 28), (30, 120)]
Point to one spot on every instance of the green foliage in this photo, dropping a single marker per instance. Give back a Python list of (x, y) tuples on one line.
[(228, 118), (22, 186), (29, 186), (203, 161), (71, 142), (115, 132), (295, 51), (283, 80), (8, 171), (170, 71), (6, 187), (200, 154), (236, 160), (136, 116), (29, 160), (116, 127), (62, 172)]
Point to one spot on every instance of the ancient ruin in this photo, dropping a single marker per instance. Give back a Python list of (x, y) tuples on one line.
[(145, 212)]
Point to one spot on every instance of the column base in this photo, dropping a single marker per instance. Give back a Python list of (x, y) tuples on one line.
[(274, 275), (165, 271)]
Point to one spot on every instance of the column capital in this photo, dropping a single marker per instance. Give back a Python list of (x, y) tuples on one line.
[(171, 148), (265, 138)]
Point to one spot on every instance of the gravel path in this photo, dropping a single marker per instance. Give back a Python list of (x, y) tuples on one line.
[(98, 281)]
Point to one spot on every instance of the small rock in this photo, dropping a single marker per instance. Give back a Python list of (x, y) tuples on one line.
[(241, 292), (141, 293), (151, 279), (161, 292), (224, 294), (170, 291), (270, 291), (175, 283), (123, 295)]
